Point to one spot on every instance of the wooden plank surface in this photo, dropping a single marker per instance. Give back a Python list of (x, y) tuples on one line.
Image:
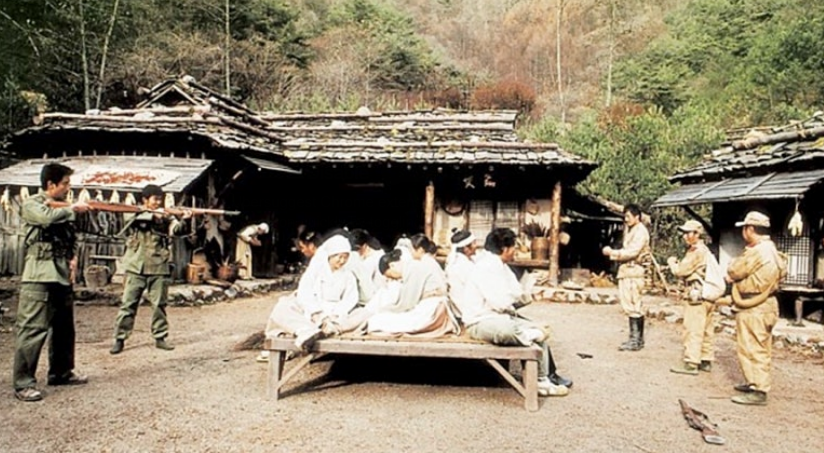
[(403, 348)]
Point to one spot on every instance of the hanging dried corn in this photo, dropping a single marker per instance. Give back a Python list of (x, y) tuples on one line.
[(84, 196), (796, 224), (5, 200)]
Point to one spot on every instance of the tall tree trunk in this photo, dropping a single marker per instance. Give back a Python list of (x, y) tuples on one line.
[(84, 58), (611, 53), (228, 40), (558, 15), (101, 79)]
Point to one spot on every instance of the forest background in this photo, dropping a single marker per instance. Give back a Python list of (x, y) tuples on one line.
[(643, 87)]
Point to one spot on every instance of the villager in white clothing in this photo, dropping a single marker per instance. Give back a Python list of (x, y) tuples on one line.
[(326, 294), (423, 307), (488, 309), (460, 264), (248, 238)]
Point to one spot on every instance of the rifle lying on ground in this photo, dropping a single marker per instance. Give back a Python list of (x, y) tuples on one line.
[(127, 208), (698, 420)]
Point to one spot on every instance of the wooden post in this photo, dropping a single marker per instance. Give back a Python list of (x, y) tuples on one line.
[(429, 211), (554, 234)]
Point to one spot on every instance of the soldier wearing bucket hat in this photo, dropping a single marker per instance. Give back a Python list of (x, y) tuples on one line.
[(698, 320), (755, 276)]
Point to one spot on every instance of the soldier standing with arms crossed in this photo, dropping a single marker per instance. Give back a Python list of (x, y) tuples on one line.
[(146, 263), (45, 302), (755, 276), (631, 274)]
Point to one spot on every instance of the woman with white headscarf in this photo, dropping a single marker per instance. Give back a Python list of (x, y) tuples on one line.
[(326, 294)]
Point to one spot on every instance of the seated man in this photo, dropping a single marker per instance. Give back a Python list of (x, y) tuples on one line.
[(488, 309)]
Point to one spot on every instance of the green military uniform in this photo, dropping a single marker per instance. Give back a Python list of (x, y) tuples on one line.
[(146, 263), (45, 301)]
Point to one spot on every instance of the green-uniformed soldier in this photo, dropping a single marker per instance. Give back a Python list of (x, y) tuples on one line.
[(146, 263), (45, 301), (755, 276)]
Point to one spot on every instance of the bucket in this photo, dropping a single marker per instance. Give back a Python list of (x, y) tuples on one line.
[(540, 248), (96, 276), (194, 273)]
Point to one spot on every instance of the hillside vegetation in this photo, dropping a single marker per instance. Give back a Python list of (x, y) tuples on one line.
[(642, 87)]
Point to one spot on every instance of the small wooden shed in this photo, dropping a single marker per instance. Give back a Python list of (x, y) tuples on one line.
[(778, 171)]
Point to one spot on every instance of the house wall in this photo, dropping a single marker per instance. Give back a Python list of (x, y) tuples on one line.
[(801, 250)]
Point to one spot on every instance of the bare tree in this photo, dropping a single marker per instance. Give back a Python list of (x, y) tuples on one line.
[(101, 80), (558, 16), (227, 68), (84, 57)]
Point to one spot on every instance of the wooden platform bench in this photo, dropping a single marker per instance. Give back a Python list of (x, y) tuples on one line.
[(447, 347)]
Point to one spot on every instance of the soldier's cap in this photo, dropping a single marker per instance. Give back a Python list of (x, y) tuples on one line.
[(754, 218), (691, 226)]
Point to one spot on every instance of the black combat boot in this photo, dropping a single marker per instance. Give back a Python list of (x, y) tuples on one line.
[(640, 333), (117, 347), (632, 343)]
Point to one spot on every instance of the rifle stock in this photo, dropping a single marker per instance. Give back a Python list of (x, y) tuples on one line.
[(127, 208), (700, 421)]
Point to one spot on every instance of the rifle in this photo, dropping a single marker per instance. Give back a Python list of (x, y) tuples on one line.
[(698, 420), (127, 208)]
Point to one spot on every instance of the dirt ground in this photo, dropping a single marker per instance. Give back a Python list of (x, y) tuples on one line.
[(206, 397)]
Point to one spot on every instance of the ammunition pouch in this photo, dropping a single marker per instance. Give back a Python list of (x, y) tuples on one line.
[(55, 241)]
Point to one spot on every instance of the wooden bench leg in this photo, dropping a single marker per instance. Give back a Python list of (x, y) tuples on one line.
[(531, 384), (276, 361)]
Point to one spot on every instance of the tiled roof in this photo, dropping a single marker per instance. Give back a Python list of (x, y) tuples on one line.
[(796, 147), (412, 137)]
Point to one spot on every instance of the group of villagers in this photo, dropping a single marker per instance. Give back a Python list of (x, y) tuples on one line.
[(351, 285)]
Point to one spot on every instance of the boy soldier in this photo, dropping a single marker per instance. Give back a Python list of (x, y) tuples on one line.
[(631, 274), (698, 323), (45, 302), (146, 263), (755, 276)]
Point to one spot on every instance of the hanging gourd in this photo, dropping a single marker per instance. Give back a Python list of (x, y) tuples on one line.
[(169, 201), (115, 198), (24, 193), (130, 200), (84, 196)]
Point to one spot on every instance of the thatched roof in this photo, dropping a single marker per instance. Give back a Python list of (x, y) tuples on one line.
[(182, 106)]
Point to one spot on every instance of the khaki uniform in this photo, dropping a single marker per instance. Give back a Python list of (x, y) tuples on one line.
[(146, 263), (754, 272), (634, 249), (45, 302), (699, 328)]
